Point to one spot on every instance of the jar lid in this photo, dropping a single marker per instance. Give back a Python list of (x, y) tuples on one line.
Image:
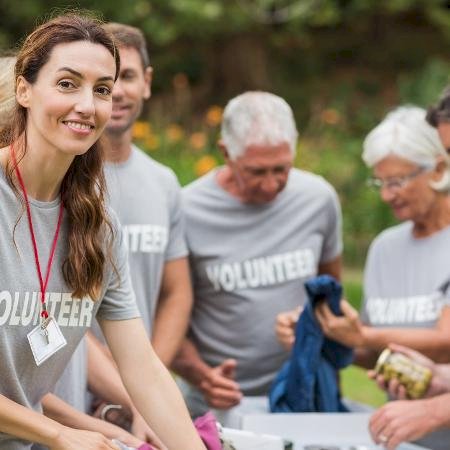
[(382, 359)]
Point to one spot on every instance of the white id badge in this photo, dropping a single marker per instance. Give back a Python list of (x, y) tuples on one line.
[(45, 342)]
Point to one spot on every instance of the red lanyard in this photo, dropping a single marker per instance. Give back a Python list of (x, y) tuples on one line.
[(43, 283)]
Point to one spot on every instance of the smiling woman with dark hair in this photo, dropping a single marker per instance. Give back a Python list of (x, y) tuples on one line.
[(64, 258)]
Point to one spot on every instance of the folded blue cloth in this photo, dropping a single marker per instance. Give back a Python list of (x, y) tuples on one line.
[(308, 381)]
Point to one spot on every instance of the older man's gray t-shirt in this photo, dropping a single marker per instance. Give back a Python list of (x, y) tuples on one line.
[(406, 279), (20, 379), (249, 262)]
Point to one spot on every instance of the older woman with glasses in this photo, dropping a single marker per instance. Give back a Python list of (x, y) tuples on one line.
[(408, 266), (407, 273)]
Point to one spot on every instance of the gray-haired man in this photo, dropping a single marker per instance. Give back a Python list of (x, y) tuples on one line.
[(257, 229)]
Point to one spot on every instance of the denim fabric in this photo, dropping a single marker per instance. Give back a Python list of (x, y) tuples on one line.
[(308, 381)]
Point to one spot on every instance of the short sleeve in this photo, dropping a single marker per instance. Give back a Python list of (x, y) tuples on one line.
[(176, 247), (332, 244), (370, 277), (118, 302)]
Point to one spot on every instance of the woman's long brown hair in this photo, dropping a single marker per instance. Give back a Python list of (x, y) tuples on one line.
[(83, 187)]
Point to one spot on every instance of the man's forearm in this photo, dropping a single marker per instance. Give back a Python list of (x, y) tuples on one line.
[(170, 327), (60, 411), (103, 376), (173, 310), (189, 365)]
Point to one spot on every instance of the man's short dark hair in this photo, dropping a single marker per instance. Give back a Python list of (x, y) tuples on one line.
[(128, 36), (440, 112)]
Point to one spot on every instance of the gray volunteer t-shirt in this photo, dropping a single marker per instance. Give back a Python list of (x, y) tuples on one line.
[(405, 279), (146, 197), (21, 380), (249, 262), (406, 284)]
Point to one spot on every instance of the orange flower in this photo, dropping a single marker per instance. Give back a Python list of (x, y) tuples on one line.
[(152, 142), (330, 116), (204, 165), (214, 116), (197, 140), (141, 130), (174, 133)]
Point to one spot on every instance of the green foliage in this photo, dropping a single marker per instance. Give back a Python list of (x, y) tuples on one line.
[(357, 386), (341, 64), (424, 87)]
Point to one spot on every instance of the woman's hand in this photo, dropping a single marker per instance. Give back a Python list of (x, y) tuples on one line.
[(71, 439), (440, 382), (346, 329), (285, 327), (402, 421)]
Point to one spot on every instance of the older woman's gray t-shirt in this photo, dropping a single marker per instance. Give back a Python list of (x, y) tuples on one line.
[(21, 380), (406, 279), (406, 283), (250, 262)]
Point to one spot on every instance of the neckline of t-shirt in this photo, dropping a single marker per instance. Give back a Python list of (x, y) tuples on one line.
[(123, 164), (426, 239), (260, 206), (37, 203)]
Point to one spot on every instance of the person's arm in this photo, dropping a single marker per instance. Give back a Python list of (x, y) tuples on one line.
[(216, 383), (149, 384), (409, 420), (333, 268), (104, 381), (63, 413), (31, 426), (173, 310), (365, 357), (349, 330)]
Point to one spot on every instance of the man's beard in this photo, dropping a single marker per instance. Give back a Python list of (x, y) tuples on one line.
[(119, 130)]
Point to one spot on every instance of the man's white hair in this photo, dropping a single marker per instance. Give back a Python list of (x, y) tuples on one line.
[(404, 132), (257, 118)]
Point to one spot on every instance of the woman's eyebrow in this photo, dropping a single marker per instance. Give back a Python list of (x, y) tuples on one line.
[(79, 75)]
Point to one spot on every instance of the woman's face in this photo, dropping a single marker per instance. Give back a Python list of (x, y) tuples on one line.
[(70, 103), (405, 187)]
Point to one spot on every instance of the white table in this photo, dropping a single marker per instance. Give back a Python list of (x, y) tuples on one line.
[(343, 430)]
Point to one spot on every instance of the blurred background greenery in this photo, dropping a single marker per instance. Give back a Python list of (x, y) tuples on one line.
[(341, 64)]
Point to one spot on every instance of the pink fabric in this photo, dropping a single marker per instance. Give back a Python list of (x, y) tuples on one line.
[(207, 429)]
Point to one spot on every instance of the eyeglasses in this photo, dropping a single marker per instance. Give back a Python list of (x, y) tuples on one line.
[(394, 183)]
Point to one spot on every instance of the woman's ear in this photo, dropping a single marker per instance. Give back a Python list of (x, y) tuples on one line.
[(23, 92), (440, 168)]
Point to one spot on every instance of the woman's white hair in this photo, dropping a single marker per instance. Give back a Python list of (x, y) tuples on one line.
[(404, 132), (257, 118), (7, 94)]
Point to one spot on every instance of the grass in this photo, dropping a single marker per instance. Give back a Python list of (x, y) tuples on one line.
[(354, 381)]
